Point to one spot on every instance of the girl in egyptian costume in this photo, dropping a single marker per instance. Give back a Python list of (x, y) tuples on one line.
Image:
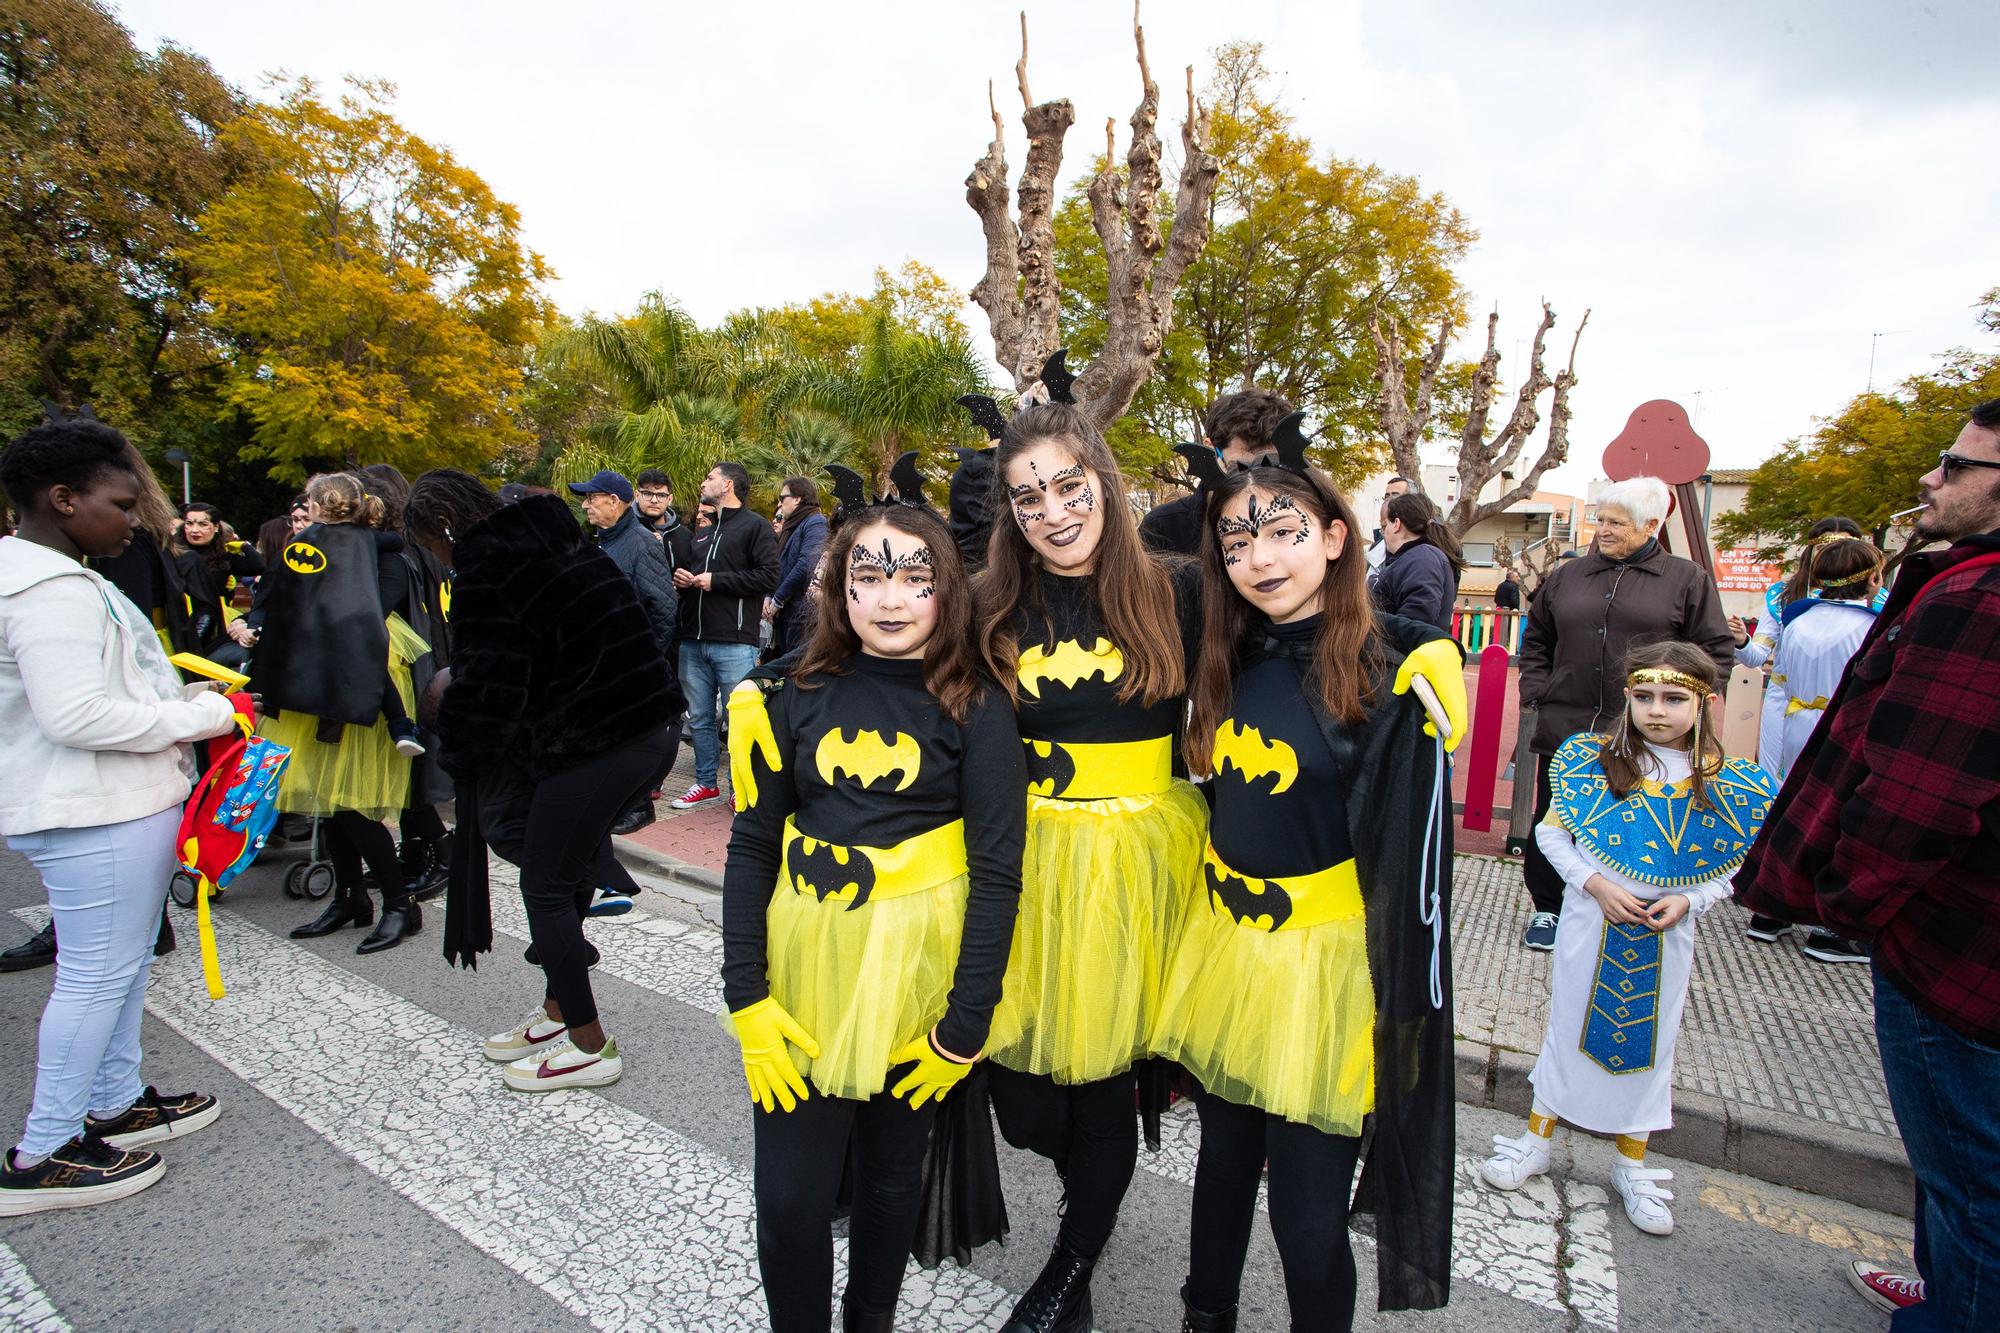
[(1647, 825)]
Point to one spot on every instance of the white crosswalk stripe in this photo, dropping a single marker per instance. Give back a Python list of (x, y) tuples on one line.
[(24, 1306), (407, 1096)]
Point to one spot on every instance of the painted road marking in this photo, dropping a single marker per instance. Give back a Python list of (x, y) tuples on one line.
[(410, 1098), (23, 1303)]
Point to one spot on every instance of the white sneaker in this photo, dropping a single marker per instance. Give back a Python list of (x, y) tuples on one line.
[(534, 1033), (1515, 1161), (562, 1065), (1645, 1201)]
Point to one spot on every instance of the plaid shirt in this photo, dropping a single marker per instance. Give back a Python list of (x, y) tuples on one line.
[(1888, 825)]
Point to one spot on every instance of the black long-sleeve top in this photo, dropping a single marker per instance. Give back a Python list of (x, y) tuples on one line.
[(1057, 703), (973, 771)]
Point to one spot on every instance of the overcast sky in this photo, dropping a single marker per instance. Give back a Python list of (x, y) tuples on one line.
[(1742, 194)]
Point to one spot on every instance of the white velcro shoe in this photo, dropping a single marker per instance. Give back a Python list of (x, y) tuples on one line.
[(1515, 1161), (1645, 1201)]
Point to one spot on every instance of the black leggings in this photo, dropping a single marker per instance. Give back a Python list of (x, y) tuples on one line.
[(1545, 885), (352, 839), (421, 823), (1312, 1181), (558, 831), (801, 1155), (1089, 1130)]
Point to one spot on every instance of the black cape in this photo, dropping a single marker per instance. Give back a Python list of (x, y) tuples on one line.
[(325, 646), (971, 501), (1408, 1169)]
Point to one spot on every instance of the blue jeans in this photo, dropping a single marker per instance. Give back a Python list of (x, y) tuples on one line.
[(1945, 1089), (106, 885), (709, 670)]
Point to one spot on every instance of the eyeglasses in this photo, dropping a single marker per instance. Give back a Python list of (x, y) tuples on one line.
[(1951, 462), (656, 495)]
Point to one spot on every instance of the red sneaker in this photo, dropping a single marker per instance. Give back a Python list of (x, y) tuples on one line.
[(1886, 1291), (696, 795)]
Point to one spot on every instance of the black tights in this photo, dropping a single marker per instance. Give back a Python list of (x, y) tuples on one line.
[(1089, 1130), (351, 840), (421, 823), (1312, 1181), (801, 1155)]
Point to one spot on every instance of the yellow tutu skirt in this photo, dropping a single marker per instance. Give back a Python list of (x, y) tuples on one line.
[(1103, 887), (362, 771), (1280, 1020), (863, 982)]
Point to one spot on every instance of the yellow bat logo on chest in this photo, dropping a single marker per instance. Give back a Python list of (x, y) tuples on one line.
[(1245, 749), (305, 558), (867, 758), (1068, 663)]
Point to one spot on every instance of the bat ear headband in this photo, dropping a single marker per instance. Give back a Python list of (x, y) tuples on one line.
[(986, 414), (848, 488), (1290, 440), (852, 491), (1202, 465), (907, 480), (1057, 378)]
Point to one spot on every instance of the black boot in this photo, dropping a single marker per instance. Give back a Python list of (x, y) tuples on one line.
[(426, 867), (348, 907), (400, 917), (38, 950), (1197, 1321), (853, 1321), (1059, 1302)]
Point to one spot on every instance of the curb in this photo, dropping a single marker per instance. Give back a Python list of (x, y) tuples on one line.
[(1868, 1170)]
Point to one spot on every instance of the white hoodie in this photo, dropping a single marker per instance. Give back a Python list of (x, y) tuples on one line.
[(93, 726)]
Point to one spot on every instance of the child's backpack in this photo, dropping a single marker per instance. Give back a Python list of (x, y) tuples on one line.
[(227, 820)]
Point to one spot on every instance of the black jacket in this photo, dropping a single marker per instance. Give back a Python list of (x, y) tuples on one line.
[(1175, 525), (640, 558), (208, 588), (675, 536), (1417, 583), (553, 659), (741, 560)]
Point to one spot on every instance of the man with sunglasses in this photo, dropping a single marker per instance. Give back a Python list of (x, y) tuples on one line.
[(1888, 828)]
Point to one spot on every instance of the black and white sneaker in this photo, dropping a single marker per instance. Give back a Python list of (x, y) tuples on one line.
[(155, 1118), (84, 1171), (408, 739), (1767, 929), (1826, 947), (610, 902), (1541, 932)]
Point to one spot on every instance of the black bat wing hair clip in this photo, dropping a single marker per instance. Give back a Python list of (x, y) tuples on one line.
[(986, 413), (908, 481), (1202, 465), (1056, 375), (848, 487), (1290, 440)]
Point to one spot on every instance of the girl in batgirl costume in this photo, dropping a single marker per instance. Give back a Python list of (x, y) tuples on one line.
[(1647, 826), (1078, 622), (1310, 985), (332, 650), (868, 904)]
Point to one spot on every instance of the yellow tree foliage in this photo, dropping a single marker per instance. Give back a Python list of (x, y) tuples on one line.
[(378, 292)]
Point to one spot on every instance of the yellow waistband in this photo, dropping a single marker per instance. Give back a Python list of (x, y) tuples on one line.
[(1079, 771), (1816, 705), (1292, 903), (853, 875)]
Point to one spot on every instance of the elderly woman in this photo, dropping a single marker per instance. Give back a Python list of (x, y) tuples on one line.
[(1625, 590)]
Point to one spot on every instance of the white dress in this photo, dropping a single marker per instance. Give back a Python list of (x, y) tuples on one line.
[(1815, 650), (1567, 1080)]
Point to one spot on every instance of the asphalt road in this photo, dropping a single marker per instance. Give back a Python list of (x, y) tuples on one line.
[(370, 1172)]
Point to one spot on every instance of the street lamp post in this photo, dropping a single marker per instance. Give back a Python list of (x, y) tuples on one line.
[(187, 486)]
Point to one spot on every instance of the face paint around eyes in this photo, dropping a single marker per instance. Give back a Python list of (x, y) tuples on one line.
[(885, 561), (1261, 518)]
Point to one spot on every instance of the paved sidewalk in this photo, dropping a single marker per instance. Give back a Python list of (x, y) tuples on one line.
[(1776, 1075)]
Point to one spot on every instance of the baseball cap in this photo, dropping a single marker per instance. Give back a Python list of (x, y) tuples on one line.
[(605, 483)]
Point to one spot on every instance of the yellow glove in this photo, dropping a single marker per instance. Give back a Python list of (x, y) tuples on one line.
[(934, 1074), (1439, 663), (749, 732), (764, 1028)]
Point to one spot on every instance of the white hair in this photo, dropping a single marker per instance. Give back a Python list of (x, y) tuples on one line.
[(1644, 499)]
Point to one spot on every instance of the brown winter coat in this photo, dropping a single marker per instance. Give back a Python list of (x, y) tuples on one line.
[(1589, 613)]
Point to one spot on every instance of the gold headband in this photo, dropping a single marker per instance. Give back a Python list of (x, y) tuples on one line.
[(1667, 676), (1829, 538)]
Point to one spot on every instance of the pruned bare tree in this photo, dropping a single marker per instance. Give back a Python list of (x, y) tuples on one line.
[(1529, 562), (1406, 416), (1020, 292)]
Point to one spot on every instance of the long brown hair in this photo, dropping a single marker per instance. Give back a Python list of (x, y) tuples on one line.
[(1134, 594), (1347, 652), (1800, 584), (1420, 519), (1623, 755), (951, 672)]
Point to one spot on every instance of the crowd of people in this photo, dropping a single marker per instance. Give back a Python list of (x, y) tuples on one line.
[(1043, 817)]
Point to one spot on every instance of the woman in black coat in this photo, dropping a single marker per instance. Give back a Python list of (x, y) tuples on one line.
[(557, 711), (1419, 577), (802, 538)]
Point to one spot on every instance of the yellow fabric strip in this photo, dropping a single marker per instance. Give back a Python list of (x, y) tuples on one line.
[(1100, 771), (1816, 705), (1632, 1147), (1333, 894), (912, 866), (1541, 1126)]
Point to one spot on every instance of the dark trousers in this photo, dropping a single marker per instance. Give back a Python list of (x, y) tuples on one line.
[(1089, 1130), (1545, 886), (558, 831), (801, 1155), (1943, 1087), (1312, 1180), (421, 823), (353, 839), (643, 801)]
